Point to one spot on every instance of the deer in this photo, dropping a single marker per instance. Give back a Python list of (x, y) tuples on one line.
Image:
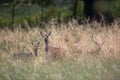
[(28, 54), (50, 51), (98, 42)]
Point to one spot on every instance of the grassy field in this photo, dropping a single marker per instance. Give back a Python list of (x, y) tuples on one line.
[(91, 52)]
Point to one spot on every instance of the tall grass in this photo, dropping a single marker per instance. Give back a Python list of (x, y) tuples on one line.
[(92, 53)]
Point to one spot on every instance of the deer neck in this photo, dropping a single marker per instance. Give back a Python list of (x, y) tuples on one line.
[(46, 46)]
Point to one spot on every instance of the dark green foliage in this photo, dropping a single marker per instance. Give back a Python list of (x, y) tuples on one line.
[(35, 11), (80, 10), (33, 14), (115, 9)]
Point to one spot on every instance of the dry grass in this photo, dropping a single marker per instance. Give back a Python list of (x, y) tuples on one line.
[(89, 45), (76, 39)]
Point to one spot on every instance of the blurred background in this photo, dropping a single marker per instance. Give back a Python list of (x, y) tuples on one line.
[(33, 12)]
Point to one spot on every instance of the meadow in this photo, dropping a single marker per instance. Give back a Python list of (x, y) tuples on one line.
[(92, 52)]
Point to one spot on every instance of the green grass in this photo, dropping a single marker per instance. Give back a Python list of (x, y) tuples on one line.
[(88, 69)]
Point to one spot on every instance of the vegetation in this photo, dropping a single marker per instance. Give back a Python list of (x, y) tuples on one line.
[(33, 15), (92, 53), (92, 50), (34, 12)]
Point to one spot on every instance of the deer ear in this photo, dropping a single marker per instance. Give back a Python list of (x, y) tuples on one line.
[(49, 33)]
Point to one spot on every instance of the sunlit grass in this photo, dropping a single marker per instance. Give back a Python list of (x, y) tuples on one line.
[(92, 52)]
